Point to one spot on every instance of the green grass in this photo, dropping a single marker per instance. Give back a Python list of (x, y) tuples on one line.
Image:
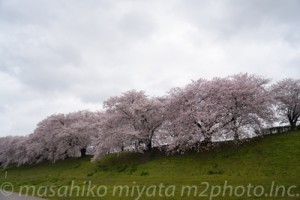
[(261, 161)]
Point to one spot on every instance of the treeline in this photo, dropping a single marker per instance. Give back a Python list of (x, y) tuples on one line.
[(190, 117)]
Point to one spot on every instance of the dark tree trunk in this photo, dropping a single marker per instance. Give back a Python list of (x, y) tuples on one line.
[(149, 145), (206, 142), (293, 126), (136, 145), (293, 121), (83, 152), (236, 136)]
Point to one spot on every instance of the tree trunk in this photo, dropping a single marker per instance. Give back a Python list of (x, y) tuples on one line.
[(149, 145), (207, 141), (149, 142), (293, 122), (136, 146), (293, 126), (83, 152), (236, 136)]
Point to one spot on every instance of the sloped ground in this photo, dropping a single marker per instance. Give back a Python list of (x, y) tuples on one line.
[(257, 169)]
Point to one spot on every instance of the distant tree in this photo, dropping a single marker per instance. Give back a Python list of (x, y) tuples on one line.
[(205, 109), (12, 150), (191, 117), (42, 143), (287, 95), (135, 114), (61, 136), (113, 135), (245, 103), (186, 118), (80, 127)]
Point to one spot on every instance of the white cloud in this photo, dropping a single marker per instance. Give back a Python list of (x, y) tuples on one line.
[(62, 56)]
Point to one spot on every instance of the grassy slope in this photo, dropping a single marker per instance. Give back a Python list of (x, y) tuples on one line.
[(259, 162)]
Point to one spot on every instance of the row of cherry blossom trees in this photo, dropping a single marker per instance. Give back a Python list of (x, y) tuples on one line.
[(189, 117), (57, 137)]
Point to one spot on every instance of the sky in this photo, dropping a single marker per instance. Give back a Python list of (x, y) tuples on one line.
[(60, 56)]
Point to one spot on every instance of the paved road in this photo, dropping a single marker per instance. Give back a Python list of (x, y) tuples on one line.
[(16, 197)]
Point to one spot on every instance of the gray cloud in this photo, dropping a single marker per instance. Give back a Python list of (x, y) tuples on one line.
[(62, 56)]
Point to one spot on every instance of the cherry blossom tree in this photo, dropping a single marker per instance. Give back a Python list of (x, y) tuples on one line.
[(42, 144), (287, 95), (245, 102), (80, 128), (61, 136), (191, 118), (205, 109), (111, 136), (135, 114), (12, 150)]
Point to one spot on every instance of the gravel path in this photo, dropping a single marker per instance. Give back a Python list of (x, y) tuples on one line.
[(16, 197)]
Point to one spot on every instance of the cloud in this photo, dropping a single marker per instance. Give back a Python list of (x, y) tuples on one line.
[(62, 56)]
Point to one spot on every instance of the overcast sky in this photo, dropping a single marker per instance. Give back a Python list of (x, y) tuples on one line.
[(58, 56)]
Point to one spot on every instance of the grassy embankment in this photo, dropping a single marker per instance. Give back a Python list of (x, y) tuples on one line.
[(261, 161)]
